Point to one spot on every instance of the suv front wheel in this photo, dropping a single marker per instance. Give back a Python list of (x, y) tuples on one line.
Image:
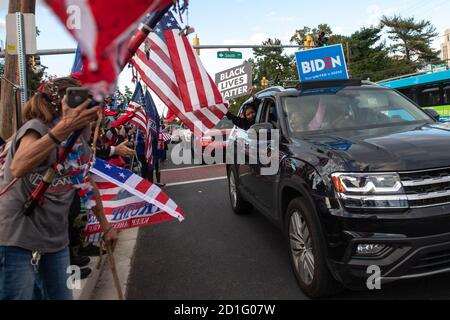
[(307, 251), (239, 205)]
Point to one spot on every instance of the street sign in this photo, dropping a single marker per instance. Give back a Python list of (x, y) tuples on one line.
[(235, 82), (229, 55), (29, 31), (326, 63)]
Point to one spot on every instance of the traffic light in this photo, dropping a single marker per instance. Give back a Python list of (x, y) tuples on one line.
[(36, 64), (196, 42), (309, 42), (322, 41), (264, 82)]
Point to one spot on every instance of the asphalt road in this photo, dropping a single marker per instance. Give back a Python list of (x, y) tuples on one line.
[(215, 254)]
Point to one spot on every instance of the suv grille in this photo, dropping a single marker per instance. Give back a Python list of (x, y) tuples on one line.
[(427, 188), (432, 262)]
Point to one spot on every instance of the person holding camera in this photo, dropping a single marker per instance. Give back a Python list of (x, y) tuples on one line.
[(34, 249)]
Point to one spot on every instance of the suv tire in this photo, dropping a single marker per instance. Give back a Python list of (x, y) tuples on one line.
[(239, 205), (307, 251)]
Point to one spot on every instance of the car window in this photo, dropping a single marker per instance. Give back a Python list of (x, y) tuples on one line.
[(350, 107), (268, 112)]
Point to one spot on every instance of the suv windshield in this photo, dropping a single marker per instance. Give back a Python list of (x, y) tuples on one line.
[(343, 108)]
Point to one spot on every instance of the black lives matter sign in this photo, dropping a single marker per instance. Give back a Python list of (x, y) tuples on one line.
[(235, 82)]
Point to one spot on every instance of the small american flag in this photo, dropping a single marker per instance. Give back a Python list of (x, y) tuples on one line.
[(143, 121), (169, 66), (137, 186), (166, 136), (128, 201)]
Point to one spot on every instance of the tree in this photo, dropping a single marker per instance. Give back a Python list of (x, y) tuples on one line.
[(273, 64), (370, 57), (300, 34), (412, 39)]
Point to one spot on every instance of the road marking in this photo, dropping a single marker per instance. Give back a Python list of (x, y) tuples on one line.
[(194, 181), (197, 167)]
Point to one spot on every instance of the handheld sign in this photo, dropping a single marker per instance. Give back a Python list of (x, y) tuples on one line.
[(235, 82), (327, 63)]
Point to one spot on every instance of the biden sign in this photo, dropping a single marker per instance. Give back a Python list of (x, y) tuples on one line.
[(327, 63)]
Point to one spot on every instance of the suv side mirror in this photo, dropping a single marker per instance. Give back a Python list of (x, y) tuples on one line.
[(432, 113)]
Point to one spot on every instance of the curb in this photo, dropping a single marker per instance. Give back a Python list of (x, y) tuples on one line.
[(88, 284), (100, 285)]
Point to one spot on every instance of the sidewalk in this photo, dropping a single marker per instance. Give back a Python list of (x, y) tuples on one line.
[(100, 284)]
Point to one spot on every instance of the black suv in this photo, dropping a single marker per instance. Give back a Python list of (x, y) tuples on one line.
[(363, 183)]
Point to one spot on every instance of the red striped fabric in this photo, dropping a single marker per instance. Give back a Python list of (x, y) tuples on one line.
[(173, 71), (142, 121)]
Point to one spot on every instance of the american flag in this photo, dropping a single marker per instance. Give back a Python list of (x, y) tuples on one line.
[(143, 121), (104, 30), (128, 200), (169, 66), (166, 136)]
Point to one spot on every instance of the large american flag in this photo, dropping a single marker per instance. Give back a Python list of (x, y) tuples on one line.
[(169, 66), (143, 121), (128, 200)]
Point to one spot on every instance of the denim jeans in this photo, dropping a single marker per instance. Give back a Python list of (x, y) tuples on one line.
[(20, 281)]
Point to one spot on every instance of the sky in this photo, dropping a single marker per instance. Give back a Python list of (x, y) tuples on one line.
[(249, 22)]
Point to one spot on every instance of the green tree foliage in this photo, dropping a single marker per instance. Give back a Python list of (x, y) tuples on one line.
[(273, 64), (411, 39), (300, 34), (370, 57)]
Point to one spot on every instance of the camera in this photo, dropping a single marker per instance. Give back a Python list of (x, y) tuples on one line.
[(77, 95)]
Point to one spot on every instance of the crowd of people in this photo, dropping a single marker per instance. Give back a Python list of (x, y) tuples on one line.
[(37, 249)]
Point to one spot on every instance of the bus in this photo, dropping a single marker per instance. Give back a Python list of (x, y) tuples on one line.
[(430, 90)]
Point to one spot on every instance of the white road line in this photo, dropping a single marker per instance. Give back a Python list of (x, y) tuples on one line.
[(195, 181), (189, 168)]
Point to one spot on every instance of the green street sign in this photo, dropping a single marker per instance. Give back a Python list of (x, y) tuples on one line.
[(229, 55)]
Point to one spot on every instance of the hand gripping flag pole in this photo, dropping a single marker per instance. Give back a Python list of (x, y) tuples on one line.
[(37, 196)]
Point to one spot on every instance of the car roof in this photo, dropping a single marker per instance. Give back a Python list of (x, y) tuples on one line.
[(279, 90), (273, 91)]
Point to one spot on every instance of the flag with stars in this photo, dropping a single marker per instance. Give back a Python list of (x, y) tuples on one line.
[(143, 120), (128, 200), (171, 69)]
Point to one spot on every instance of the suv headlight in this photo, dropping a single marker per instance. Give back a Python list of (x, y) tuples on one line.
[(370, 190)]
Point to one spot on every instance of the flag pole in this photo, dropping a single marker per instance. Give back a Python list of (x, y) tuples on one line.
[(112, 263), (37, 195)]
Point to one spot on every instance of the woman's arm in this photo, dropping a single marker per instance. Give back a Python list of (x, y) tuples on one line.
[(239, 122), (33, 149), (110, 234)]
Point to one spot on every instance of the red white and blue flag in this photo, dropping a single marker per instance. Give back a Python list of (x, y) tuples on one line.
[(143, 121), (104, 30), (128, 200), (171, 69)]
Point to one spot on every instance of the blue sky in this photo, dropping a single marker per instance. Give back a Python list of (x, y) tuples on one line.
[(250, 22)]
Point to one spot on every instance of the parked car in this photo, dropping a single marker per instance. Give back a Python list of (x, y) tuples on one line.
[(363, 183), (179, 134), (215, 139)]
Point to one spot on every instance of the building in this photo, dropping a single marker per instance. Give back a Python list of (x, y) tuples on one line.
[(445, 47)]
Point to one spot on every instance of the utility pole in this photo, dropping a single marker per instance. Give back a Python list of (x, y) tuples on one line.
[(9, 96), (349, 52)]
